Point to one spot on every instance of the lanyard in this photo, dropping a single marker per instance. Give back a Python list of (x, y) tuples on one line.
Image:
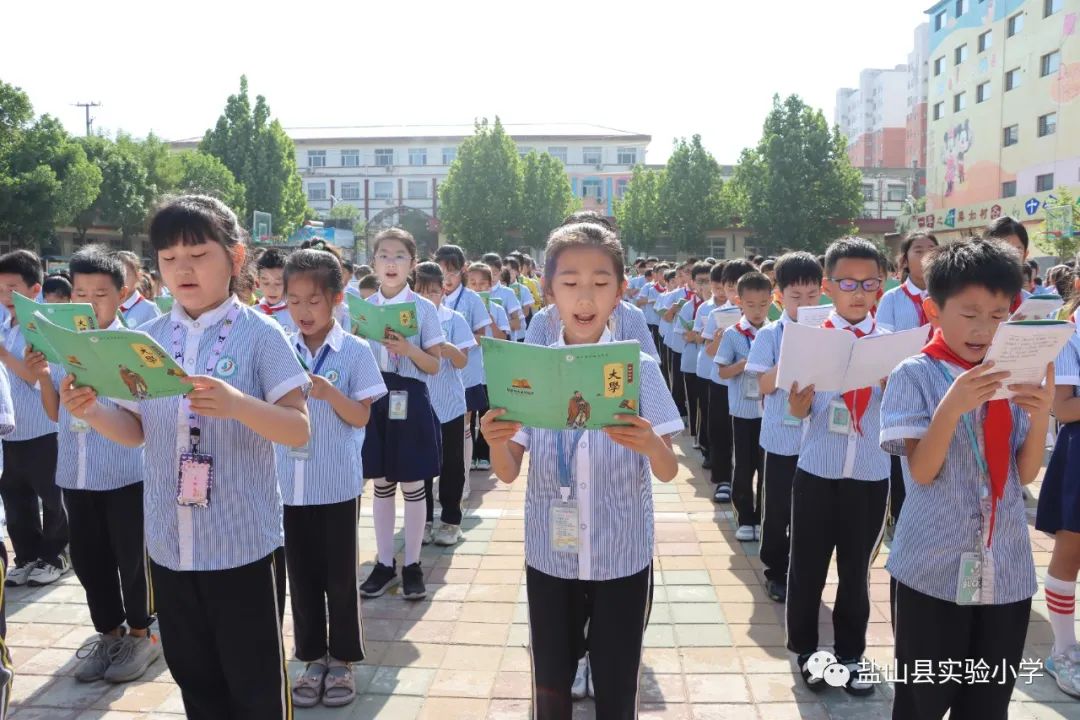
[(566, 464), (461, 291), (318, 361), (194, 423), (972, 437)]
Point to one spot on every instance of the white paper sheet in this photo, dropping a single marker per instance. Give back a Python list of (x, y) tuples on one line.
[(814, 315), (834, 360), (1024, 349)]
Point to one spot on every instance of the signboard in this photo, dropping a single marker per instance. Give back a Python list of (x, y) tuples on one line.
[(260, 226)]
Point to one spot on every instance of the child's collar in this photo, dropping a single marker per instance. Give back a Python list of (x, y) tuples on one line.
[(605, 337), (866, 325)]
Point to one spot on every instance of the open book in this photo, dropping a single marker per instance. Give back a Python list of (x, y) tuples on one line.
[(574, 386), (725, 318), (1038, 307), (814, 315), (372, 321), (71, 316), (834, 360), (1025, 348), (486, 297), (122, 364)]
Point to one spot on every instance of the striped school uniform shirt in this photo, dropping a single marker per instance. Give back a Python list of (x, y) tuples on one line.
[(137, 310), (512, 305), (280, 314), (86, 460), (446, 387), (650, 292), (7, 419), (777, 437), (896, 311), (940, 521), (662, 306), (242, 523), (703, 365), (30, 418), (688, 361), (1067, 365), (465, 301), (835, 455), (473, 374), (427, 319), (341, 314), (332, 472), (611, 485), (628, 323), (709, 333), (735, 346)]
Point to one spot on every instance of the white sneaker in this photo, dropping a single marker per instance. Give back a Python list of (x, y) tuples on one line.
[(757, 532), (447, 535), (1065, 672), (428, 535), (745, 533), (465, 489), (483, 465), (580, 688), (17, 575), (45, 573), (592, 690)]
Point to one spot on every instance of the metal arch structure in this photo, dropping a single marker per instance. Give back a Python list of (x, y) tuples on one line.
[(423, 226)]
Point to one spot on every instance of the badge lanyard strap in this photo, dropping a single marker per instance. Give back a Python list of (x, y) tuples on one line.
[(566, 464), (318, 361), (194, 424)]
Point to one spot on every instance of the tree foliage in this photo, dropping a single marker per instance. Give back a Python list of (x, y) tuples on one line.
[(796, 188), (690, 196), (547, 197), (198, 172), (638, 213), (126, 192), (1062, 216)]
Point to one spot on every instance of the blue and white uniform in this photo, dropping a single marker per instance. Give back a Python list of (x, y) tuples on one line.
[(473, 374), (137, 310), (446, 387), (627, 320), (32, 420), (512, 304), (280, 314), (781, 434), (897, 309), (735, 345)]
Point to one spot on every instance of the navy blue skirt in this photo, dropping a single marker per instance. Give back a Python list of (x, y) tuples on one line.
[(1059, 499), (403, 450), (476, 398)]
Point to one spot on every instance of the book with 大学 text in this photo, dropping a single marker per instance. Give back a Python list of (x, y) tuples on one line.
[(371, 321), (572, 386), (120, 364), (1024, 349), (76, 317)]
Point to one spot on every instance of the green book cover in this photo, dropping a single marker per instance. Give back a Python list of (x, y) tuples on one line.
[(891, 284), (164, 303), (372, 321), (824, 300), (775, 311), (121, 364), (76, 317), (486, 297), (575, 386)]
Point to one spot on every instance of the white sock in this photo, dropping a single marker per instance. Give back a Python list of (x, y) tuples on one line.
[(1061, 604), (468, 447), (415, 516), (382, 508)]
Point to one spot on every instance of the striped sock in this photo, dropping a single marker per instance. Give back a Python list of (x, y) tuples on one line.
[(1061, 604)]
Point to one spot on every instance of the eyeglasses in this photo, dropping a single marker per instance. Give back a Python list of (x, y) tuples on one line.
[(851, 285)]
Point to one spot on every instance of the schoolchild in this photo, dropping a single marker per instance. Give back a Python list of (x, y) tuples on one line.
[(478, 278), (137, 309), (510, 300), (691, 345)]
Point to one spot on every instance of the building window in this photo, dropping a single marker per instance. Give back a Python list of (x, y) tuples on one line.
[(960, 54), (986, 41), (959, 101), (718, 247), (418, 156), (620, 187), (524, 150), (939, 110), (1050, 7), (867, 192), (939, 65), (1015, 24), (961, 7), (350, 158), (1008, 189), (383, 189), (449, 155), (316, 158), (384, 157), (559, 153), (1050, 63), (1047, 124), (1044, 183), (316, 192), (982, 92), (939, 20), (897, 193), (627, 156), (592, 156), (417, 189), (591, 188), (1012, 79), (1011, 135), (350, 191)]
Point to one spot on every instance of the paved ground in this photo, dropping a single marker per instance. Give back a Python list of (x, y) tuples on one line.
[(714, 645)]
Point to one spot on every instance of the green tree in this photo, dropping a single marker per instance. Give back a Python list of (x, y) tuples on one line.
[(482, 194), (797, 188), (638, 213), (198, 172), (261, 157), (126, 193), (547, 197), (45, 177), (690, 196), (1059, 233)]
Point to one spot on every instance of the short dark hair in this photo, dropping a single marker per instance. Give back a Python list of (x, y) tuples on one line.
[(586, 234), (482, 268), (512, 262), (452, 255), (368, 282), (97, 260), (362, 271), (493, 261), (990, 264), (754, 281), (735, 269), (701, 268), (272, 259), (1005, 226), (23, 263), (768, 265), (853, 248), (652, 259), (588, 216), (400, 235), (639, 262), (428, 274), (669, 274), (797, 268), (193, 220), (716, 274), (322, 267), (56, 285), (905, 246)]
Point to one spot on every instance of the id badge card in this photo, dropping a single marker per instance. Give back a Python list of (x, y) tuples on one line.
[(399, 405), (564, 526), (751, 389), (790, 420), (839, 418), (969, 580), (196, 478), (78, 426), (300, 453)]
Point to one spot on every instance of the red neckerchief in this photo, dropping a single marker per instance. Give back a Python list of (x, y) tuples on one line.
[(657, 288), (749, 332), (698, 302), (858, 400), (1017, 302), (271, 309), (128, 309), (997, 428), (918, 301)]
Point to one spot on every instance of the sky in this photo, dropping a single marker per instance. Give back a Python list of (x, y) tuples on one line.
[(667, 69)]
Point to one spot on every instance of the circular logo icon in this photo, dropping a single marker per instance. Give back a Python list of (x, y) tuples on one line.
[(332, 376), (226, 367)]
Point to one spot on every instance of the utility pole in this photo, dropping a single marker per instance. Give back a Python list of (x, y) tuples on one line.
[(89, 120)]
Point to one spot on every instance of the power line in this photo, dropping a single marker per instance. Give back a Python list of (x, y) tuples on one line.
[(89, 120)]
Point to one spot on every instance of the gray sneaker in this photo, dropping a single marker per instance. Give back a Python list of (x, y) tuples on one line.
[(94, 658), (131, 657)]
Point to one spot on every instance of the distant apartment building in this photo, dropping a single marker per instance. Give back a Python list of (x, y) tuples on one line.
[(917, 92), (873, 117)]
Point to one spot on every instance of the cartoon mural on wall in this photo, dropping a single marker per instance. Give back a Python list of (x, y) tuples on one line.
[(958, 141)]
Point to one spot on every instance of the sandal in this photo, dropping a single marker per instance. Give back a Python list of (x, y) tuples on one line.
[(308, 686), (340, 686)]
